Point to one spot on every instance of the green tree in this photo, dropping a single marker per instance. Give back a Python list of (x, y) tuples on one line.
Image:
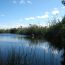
[(63, 2)]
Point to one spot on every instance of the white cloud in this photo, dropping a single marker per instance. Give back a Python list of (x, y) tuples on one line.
[(47, 12), (2, 15), (25, 25), (20, 19), (43, 17), (14, 1), (22, 2), (29, 2), (55, 11), (63, 7), (30, 18), (55, 8)]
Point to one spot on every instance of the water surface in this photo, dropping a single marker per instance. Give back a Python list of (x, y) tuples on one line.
[(28, 51)]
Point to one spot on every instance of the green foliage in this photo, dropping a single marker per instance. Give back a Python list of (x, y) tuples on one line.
[(13, 30), (2, 31), (31, 30), (56, 32)]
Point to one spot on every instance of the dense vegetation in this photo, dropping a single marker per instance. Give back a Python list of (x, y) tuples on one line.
[(32, 30), (54, 32)]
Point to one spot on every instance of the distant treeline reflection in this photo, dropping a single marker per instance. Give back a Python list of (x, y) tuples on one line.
[(54, 32), (14, 57)]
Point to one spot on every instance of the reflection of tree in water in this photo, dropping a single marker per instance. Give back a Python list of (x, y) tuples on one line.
[(30, 57), (1, 60), (56, 44), (35, 41), (60, 46), (63, 61)]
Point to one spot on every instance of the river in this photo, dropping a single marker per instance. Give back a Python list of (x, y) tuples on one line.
[(21, 50)]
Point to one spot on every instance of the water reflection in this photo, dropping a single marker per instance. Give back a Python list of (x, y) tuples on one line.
[(63, 56), (30, 56), (19, 50)]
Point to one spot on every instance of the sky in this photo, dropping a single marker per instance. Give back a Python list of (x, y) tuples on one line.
[(15, 13)]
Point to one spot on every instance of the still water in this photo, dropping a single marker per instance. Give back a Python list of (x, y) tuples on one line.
[(20, 50)]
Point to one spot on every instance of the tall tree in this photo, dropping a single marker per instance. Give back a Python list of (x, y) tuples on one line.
[(63, 2)]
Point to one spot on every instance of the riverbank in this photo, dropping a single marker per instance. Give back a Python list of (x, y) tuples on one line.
[(54, 33)]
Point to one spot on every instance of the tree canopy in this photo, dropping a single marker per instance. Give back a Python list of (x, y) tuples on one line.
[(63, 2)]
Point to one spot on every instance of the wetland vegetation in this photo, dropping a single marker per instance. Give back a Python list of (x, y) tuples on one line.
[(34, 45)]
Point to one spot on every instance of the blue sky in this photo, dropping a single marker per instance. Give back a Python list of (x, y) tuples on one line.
[(14, 13)]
